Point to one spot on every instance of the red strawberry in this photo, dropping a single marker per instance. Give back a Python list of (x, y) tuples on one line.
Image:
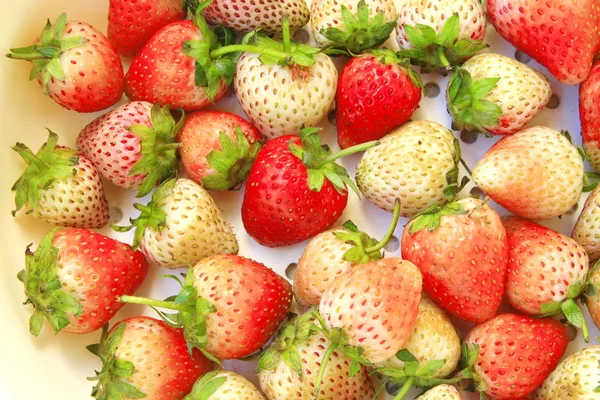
[(461, 249), (563, 35), (145, 358), (295, 190), (589, 114), (74, 278), (133, 146), (131, 22), (218, 148), (229, 306), (75, 65), (509, 356)]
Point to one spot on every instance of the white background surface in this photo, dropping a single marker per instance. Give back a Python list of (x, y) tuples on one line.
[(55, 367)]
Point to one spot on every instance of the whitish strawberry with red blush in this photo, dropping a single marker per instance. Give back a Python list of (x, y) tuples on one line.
[(589, 115), (592, 294), (587, 227), (224, 385), (74, 278), (441, 392)]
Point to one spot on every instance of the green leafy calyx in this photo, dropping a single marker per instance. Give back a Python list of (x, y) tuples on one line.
[(452, 186), (388, 57), (206, 386), (469, 355), (431, 217), (569, 308)]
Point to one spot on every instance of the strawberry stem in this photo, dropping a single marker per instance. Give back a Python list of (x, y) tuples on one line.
[(247, 48), (389, 233), (464, 164), (154, 303), (343, 153), (443, 59), (27, 57), (322, 368), (405, 388), (285, 26)]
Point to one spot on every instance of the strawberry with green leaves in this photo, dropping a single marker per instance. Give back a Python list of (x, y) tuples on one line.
[(589, 116), (592, 294), (224, 385), (60, 187), (587, 227)]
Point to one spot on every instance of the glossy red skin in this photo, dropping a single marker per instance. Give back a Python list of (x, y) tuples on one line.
[(562, 35), (279, 209), (104, 270), (373, 99), (589, 114), (132, 22), (173, 371), (517, 353)]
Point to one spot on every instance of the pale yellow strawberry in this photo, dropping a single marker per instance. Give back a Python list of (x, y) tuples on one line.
[(230, 386), (592, 299), (441, 392), (586, 231)]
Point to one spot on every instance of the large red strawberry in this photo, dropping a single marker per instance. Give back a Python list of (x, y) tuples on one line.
[(145, 358), (461, 250), (132, 22), (75, 65), (509, 356), (295, 189), (563, 35), (74, 279), (589, 115)]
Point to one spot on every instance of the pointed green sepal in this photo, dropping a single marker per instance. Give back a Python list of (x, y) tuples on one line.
[(388, 57), (469, 355), (431, 217), (453, 187), (206, 386)]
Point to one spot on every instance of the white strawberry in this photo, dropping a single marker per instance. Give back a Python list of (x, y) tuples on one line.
[(441, 392), (224, 385), (586, 231)]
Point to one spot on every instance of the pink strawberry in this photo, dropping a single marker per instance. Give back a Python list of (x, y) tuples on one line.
[(589, 115), (133, 146), (75, 65), (74, 278)]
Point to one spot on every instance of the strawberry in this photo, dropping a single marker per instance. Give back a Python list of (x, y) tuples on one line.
[(546, 271), (74, 277), (416, 163), (229, 306), (288, 368), (245, 15), (562, 35), (495, 94), (181, 225), (218, 149), (510, 355), (441, 392), (575, 378), (587, 228), (133, 145), (75, 65), (295, 189), (145, 358), (131, 24), (224, 385), (464, 275), (592, 294), (589, 115), (332, 253), (60, 187), (536, 173)]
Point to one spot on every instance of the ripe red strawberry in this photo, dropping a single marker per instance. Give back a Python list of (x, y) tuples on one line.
[(229, 306), (145, 358), (131, 22), (563, 35), (589, 115), (295, 189), (546, 271), (510, 355), (74, 279), (133, 146), (218, 148), (75, 65), (464, 275)]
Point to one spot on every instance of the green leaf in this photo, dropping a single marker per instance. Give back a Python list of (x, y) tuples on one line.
[(206, 386), (573, 313), (449, 33)]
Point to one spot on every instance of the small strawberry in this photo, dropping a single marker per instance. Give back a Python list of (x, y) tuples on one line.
[(246, 15), (131, 24), (441, 392), (464, 275), (592, 294), (133, 146), (332, 253), (224, 385), (575, 378), (60, 187), (589, 115), (75, 65), (229, 306), (495, 94), (145, 358), (181, 225), (510, 355), (218, 149), (74, 278), (295, 189), (417, 164), (562, 35), (546, 271), (288, 369), (536, 173), (586, 231)]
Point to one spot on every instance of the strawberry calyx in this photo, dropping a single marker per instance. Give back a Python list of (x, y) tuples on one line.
[(452, 186), (431, 217), (590, 178), (206, 386), (158, 159), (112, 378), (44, 290), (439, 52), (592, 290), (569, 308), (50, 164), (232, 163), (45, 55), (468, 357), (389, 57), (359, 32)]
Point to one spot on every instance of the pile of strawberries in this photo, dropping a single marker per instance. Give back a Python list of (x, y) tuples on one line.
[(368, 321)]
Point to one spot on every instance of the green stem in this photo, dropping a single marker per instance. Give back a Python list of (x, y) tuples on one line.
[(585, 331), (389, 233), (464, 164), (154, 303), (143, 208), (343, 153), (285, 26), (321, 373), (405, 388), (169, 146), (247, 48), (443, 59), (319, 318), (27, 57)]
